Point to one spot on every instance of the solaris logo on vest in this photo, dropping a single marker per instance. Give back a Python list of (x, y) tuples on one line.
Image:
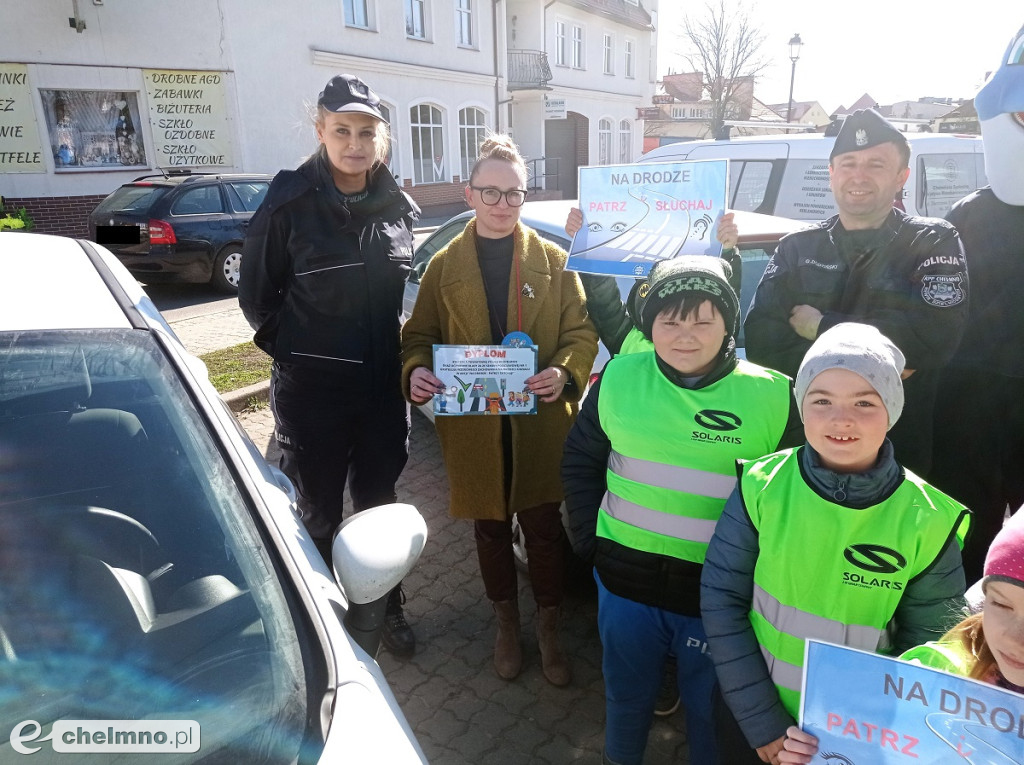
[(719, 421), (875, 559)]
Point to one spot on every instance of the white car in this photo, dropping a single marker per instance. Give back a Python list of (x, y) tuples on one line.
[(157, 588), (787, 175)]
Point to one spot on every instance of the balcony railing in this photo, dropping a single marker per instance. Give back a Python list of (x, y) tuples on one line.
[(528, 70), (542, 173)]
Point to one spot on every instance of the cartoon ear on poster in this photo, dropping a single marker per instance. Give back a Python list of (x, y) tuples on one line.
[(1000, 107)]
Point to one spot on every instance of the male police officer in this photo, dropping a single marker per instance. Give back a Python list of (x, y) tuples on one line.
[(872, 264)]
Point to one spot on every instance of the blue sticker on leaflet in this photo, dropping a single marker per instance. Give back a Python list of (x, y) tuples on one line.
[(517, 340)]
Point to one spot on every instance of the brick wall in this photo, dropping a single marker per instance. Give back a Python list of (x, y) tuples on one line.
[(438, 200), (67, 216)]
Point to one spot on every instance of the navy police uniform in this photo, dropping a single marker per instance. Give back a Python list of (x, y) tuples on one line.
[(907, 278), (322, 281)]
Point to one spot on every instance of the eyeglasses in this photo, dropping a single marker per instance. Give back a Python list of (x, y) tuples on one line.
[(491, 196)]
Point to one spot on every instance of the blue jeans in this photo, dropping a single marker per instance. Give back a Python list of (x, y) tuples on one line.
[(636, 639)]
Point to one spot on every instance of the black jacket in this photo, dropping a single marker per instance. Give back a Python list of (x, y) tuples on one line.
[(322, 281), (993, 236), (912, 288)]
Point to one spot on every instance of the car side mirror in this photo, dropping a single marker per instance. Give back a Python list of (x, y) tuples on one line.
[(418, 270), (374, 549)]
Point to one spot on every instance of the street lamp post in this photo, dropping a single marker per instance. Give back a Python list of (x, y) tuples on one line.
[(794, 54)]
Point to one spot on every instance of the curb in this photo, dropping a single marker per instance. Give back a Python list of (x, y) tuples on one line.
[(238, 400)]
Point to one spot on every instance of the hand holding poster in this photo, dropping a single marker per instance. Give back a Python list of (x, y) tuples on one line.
[(484, 379), (871, 709), (636, 215)]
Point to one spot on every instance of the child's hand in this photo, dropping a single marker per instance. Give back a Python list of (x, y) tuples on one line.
[(728, 232), (798, 747), (574, 222), (769, 753)]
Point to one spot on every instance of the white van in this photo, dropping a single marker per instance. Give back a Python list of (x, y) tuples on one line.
[(787, 175)]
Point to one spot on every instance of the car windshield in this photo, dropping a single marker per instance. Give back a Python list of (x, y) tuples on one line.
[(132, 199), (134, 580)]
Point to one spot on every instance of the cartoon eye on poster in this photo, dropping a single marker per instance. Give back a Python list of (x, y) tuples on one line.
[(483, 379), (636, 215)]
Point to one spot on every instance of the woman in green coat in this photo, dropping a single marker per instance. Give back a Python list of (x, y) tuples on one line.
[(498, 277)]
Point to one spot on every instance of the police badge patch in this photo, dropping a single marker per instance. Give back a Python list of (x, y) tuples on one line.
[(942, 291)]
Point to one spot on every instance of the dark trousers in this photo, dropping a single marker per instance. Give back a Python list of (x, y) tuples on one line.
[(542, 531), (912, 435), (330, 438), (979, 452)]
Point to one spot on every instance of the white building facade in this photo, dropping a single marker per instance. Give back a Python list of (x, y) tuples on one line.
[(99, 92)]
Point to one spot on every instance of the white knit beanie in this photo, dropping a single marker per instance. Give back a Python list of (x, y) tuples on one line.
[(862, 349)]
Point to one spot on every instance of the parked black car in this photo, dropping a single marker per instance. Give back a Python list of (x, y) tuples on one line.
[(180, 226)]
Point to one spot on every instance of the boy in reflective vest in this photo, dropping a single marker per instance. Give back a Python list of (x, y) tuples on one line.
[(833, 540), (647, 468)]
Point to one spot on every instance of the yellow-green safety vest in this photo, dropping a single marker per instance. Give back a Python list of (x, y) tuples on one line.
[(950, 657), (635, 342), (831, 572), (673, 450)]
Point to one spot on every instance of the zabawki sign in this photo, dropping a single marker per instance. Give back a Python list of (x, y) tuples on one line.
[(188, 114)]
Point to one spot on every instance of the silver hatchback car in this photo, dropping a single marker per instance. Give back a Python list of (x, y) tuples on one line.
[(157, 590)]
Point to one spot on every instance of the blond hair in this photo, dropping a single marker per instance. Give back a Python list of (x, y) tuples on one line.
[(381, 136), (499, 147), (970, 635)]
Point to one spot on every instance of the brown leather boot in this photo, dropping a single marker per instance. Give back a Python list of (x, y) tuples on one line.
[(553, 659), (508, 650)]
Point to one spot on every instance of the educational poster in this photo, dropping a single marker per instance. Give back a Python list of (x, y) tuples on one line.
[(866, 708), (484, 379), (636, 215)]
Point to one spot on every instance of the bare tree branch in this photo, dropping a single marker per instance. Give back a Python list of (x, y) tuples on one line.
[(724, 44)]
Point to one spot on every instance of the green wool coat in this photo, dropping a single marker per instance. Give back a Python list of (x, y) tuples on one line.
[(452, 309)]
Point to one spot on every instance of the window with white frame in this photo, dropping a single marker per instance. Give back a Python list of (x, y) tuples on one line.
[(625, 142), (630, 62), (426, 126), (464, 22), (561, 44), (609, 53), (414, 19), (577, 46), (604, 142), (357, 14), (472, 131)]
